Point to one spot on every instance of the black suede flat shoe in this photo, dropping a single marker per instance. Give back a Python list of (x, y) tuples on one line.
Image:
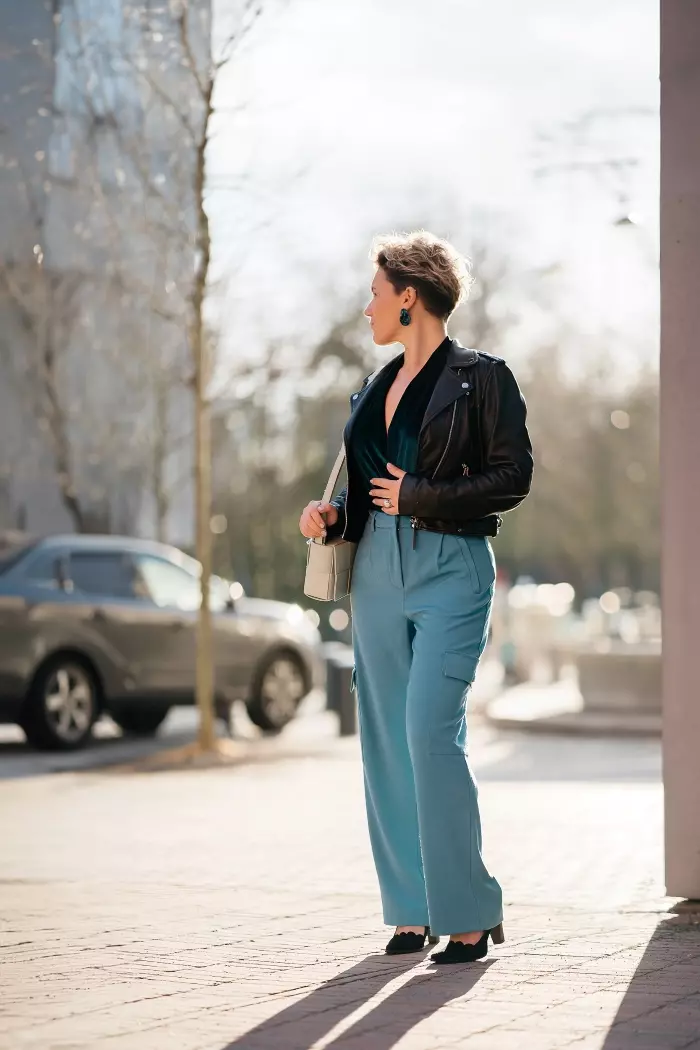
[(459, 952), (403, 943)]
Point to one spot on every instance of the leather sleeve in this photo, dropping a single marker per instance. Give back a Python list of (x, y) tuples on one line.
[(506, 476), (338, 501)]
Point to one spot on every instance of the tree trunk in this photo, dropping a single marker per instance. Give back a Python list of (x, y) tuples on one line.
[(160, 452), (201, 350), (204, 668)]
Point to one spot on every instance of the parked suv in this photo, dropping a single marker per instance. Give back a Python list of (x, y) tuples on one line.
[(106, 623)]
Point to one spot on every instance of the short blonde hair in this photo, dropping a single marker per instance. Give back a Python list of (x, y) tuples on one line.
[(431, 265)]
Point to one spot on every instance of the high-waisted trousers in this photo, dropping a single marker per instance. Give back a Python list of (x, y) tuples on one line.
[(421, 603)]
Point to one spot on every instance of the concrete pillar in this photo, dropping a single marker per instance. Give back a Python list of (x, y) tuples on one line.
[(680, 438)]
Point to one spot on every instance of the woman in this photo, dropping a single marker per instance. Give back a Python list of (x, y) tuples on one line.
[(437, 448)]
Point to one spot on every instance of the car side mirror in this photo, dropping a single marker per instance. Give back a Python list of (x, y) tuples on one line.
[(218, 594), (234, 591)]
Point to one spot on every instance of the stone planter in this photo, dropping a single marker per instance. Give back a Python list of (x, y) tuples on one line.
[(621, 678)]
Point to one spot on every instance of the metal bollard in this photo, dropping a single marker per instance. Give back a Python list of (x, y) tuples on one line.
[(339, 695), (332, 685), (348, 705)]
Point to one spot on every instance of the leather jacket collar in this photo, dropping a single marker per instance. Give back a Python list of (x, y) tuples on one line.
[(450, 385), (451, 382)]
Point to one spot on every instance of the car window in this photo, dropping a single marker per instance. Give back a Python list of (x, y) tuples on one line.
[(107, 573), (169, 585), (12, 549), (41, 568)]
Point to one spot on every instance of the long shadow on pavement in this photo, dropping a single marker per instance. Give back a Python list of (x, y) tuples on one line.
[(661, 1007), (109, 749), (300, 1025), (18, 759)]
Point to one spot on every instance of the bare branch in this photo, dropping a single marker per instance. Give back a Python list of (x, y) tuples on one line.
[(186, 44), (252, 10)]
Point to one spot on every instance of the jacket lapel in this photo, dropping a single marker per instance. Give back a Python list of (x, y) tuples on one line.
[(451, 384)]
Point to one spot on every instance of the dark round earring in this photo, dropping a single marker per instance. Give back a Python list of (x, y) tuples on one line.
[(405, 317)]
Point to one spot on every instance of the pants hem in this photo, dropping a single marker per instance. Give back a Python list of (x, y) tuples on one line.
[(403, 921), (468, 925)]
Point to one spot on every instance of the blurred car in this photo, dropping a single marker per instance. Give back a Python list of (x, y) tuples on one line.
[(90, 624)]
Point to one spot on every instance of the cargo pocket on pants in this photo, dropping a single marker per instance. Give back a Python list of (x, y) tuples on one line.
[(448, 734)]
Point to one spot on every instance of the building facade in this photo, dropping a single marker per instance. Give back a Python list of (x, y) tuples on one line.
[(98, 208)]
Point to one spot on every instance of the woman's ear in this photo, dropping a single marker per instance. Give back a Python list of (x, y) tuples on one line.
[(409, 297)]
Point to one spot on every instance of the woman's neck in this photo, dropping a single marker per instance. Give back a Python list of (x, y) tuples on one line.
[(420, 343)]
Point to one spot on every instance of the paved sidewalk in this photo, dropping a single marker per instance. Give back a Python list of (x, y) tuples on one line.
[(237, 908)]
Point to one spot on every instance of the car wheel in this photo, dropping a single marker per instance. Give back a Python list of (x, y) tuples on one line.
[(140, 720), (279, 687), (61, 706)]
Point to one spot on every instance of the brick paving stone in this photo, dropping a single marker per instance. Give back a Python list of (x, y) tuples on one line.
[(237, 909)]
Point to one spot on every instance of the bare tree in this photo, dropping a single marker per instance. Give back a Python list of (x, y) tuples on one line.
[(192, 107), (203, 78)]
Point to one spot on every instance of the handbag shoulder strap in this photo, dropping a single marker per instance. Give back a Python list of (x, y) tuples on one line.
[(332, 480)]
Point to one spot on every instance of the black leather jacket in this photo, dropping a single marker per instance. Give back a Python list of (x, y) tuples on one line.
[(474, 452)]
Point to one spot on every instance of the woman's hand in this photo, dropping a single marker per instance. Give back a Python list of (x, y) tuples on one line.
[(388, 489), (311, 522)]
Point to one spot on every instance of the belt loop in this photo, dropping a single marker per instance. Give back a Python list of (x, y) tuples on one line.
[(374, 520)]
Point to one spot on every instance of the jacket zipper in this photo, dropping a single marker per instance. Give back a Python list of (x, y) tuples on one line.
[(414, 519), (449, 436)]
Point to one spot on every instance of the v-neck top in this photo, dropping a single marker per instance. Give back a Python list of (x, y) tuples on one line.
[(371, 447)]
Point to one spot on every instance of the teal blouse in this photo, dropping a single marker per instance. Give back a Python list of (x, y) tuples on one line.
[(371, 447)]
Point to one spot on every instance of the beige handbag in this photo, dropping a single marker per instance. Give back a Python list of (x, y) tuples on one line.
[(329, 562)]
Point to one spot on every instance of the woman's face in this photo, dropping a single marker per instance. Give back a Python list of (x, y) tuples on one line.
[(384, 309)]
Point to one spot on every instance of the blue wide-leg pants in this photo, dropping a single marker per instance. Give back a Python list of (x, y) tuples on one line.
[(420, 623)]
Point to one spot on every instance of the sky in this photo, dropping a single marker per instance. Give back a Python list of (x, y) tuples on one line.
[(338, 121)]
